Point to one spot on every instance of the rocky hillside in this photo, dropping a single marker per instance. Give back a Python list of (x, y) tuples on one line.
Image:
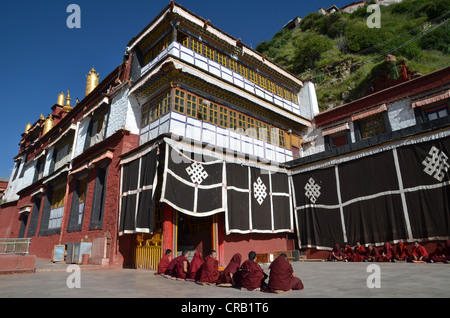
[(347, 60)]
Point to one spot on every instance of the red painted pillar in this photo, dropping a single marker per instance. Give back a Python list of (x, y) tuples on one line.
[(168, 229)]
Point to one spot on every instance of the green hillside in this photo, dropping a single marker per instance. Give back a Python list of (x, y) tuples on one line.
[(344, 57)]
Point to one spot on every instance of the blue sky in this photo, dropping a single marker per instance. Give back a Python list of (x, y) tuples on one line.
[(41, 56)]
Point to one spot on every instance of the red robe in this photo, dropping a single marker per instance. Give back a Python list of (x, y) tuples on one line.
[(348, 251), (280, 277), (194, 267), (163, 264), (179, 267), (209, 271), (252, 275), (401, 252), (373, 255), (337, 252), (420, 251), (388, 252), (231, 269), (439, 255), (360, 254)]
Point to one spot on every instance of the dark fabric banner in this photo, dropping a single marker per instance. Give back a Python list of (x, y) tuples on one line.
[(425, 170), (252, 198), (193, 185), (401, 193), (258, 201), (137, 198), (318, 215)]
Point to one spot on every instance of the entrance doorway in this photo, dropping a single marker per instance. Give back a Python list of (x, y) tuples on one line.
[(194, 234)]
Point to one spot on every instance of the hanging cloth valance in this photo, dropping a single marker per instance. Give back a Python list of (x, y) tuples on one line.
[(201, 182)]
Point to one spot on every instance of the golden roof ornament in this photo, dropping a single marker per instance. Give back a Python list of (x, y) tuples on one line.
[(92, 81), (48, 125), (67, 107), (41, 117), (61, 99), (27, 128)]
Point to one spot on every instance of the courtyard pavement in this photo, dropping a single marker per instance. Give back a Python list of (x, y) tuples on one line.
[(321, 280)]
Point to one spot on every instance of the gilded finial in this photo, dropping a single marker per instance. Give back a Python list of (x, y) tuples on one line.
[(67, 107), (48, 125), (61, 99), (92, 81), (41, 117), (27, 128)]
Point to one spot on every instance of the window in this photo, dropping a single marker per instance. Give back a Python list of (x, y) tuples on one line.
[(223, 117), (212, 113), (435, 110), (233, 120), (282, 139), (372, 126), (179, 101), (154, 109), (251, 131), (262, 82), (294, 98), (202, 109), (97, 128), (208, 52), (243, 70), (271, 86), (57, 207), (287, 94), (82, 190), (157, 48), (253, 76), (191, 105), (98, 201), (232, 65), (196, 46), (279, 90), (242, 123), (339, 139), (221, 59)]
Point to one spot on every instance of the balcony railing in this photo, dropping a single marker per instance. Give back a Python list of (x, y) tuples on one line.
[(14, 246)]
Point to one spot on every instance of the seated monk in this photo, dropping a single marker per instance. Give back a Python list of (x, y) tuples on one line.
[(360, 253), (230, 277), (194, 267), (401, 252), (209, 273), (348, 251), (373, 255), (439, 256), (337, 254), (282, 277), (252, 275), (164, 262), (419, 253), (181, 268), (388, 253)]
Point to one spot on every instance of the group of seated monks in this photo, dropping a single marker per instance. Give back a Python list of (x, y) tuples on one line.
[(247, 276), (388, 253)]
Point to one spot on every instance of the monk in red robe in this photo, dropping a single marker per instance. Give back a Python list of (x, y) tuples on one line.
[(252, 275), (210, 269), (181, 268), (401, 252), (360, 253), (373, 255), (388, 253), (337, 254), (230, 277), (419, 253), (348, 251), (164, 262), (439, 256), (194, 267), (282, 277)]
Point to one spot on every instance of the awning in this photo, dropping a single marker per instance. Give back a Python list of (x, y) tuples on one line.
[(369, 112), (429, 99), (335, 129)]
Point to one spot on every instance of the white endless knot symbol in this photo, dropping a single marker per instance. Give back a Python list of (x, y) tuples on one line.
[(259, 191), (197, 173), (312, 190), (436, 163)]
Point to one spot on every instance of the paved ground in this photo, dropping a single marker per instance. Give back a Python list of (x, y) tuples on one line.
[(321, 280)]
